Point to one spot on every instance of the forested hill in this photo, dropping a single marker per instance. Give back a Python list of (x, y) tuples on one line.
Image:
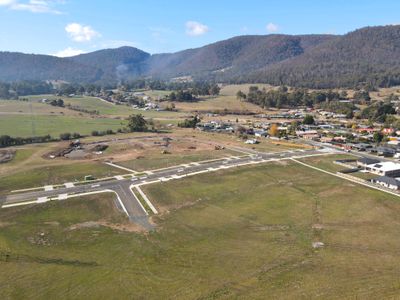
[(368, 55), (238, 55)]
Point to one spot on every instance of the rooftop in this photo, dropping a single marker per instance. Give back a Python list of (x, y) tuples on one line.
[(368, 161), (388, 180), (386, 166)]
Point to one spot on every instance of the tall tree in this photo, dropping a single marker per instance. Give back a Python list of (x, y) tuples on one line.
[(137, 123)]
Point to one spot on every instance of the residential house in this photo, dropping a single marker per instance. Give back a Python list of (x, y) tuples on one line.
[(388, 182), (386, 168)]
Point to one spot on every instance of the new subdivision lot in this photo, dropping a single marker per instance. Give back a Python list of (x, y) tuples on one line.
[(157, 160), (55, 174), (245, 233)]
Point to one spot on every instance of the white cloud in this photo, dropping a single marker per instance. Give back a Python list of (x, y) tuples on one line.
[(81, 33), (271, 27), (6, 2), (34, 6), (194, 28), (68, 52)]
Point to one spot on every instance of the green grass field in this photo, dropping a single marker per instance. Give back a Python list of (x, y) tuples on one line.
[(327, 162), (36, 125), (107, 109), (243, 233), (157, 161), (40, 176), (30, 118)]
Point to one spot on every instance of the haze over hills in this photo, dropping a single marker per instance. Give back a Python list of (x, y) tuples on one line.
[(366, 55)]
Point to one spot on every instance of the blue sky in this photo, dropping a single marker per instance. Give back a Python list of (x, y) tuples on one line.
[(66, 27)]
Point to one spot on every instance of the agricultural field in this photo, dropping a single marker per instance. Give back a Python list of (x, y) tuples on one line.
[(20, 108), (231, 240), (225, 100), (33, 118), (37, 125), (109, 109)]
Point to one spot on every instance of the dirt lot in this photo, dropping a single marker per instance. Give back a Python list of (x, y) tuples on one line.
[(6, 155)]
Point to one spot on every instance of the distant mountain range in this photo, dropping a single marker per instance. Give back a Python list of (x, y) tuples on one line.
[(368, 55)]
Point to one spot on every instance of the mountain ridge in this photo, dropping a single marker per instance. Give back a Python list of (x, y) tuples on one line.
[(367, 55)]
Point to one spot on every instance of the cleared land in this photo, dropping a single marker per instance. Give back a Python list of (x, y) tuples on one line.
[(33, 118), (36, 125), (60, 174), (327, 162), (108, 109), (157, 161), (226, 100), (228, 238)]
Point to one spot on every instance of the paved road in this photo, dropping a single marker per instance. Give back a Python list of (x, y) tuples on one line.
[(131, 205), (363, 154)]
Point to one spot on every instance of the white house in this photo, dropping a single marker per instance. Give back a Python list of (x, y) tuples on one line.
[(388, 182), (385, 168)]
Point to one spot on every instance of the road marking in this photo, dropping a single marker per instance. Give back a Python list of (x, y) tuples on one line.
[(164, 179), (42, 200), (62, 197), (48, 188)]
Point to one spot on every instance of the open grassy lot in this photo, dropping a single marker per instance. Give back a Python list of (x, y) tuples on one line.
[(14, 107), (28, 118), (21, 155), (244, 233), (267, 145), (108, 109), (327, 162), (225, 100), (219, 103), (92, 103), (365, 176), (156, 160), (35, 125), (57, 174)]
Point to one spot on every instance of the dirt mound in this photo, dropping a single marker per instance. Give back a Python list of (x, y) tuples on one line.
[(6, 155)]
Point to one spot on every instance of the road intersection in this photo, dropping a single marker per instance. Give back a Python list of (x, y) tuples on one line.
[(123, 186)]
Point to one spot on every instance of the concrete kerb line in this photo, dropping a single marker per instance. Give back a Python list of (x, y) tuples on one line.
[(196, 163), (153, 209), (345, 178), (137, 199), (19, 204), (120, 167), (99, 192), (67, 196)]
